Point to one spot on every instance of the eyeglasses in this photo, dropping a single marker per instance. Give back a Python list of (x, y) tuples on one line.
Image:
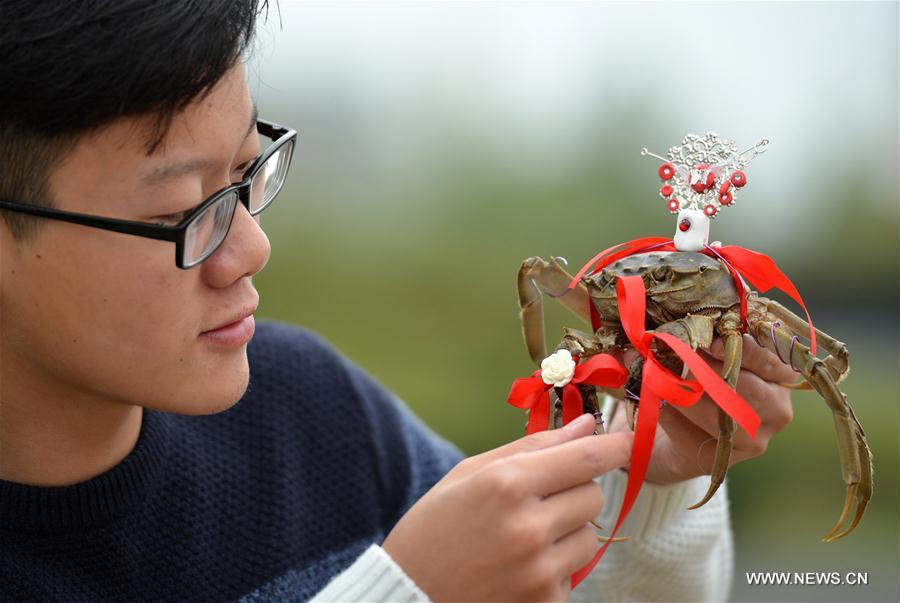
[(204, 227)]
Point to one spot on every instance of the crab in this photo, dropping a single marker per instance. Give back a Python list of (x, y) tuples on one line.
[(693, 296)]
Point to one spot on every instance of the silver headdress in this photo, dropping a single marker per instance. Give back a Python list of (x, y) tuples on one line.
[(699, 178)]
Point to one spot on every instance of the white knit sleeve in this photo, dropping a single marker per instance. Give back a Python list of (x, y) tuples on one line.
[(673, 555), (373, 578)]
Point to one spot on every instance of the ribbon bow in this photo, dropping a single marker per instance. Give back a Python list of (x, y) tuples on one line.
[(532, 393), (657, 384)]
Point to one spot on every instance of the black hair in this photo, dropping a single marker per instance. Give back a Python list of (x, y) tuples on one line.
[(68, 67)]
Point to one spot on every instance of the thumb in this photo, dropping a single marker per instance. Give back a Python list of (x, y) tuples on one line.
[(629, 357), (577, 428), (625, 356)]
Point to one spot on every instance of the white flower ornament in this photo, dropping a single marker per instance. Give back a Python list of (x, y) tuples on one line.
[(558, 368)]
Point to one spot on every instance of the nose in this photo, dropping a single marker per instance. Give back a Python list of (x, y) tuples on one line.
[(244, 252)]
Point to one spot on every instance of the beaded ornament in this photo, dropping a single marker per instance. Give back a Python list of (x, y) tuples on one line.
[(699, 178)]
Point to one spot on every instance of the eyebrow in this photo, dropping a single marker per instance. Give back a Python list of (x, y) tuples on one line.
[(176, 170)]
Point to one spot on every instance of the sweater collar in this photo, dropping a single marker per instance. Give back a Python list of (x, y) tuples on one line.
[(98, 500)]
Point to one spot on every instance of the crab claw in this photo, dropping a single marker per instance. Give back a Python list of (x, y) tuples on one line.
[(722, 458), (713, 487), (861, 491), (731, 369), (604, 538), (616, 539)]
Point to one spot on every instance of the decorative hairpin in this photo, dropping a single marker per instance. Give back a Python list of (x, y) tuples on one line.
[(699, 178)]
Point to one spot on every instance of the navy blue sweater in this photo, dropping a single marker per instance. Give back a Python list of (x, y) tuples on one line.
[(266, 501)]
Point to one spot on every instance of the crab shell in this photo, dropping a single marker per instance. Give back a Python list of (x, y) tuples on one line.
[(677, 284)]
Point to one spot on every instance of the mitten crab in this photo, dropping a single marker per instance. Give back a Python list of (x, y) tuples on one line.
[(693, 296)]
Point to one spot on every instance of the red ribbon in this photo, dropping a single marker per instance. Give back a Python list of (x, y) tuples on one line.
[(532, 393), (763, 273), (658, 383), (759, 269)]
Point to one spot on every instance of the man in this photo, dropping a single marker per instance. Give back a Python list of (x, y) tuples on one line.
[(135, 462)]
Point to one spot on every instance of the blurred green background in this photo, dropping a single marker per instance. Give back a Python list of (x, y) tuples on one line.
[(443, 143)]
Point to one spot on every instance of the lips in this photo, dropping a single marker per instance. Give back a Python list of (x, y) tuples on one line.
[(235, 330), (246, 311)]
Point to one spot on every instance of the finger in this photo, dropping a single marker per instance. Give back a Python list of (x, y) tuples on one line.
[(693, 449), (758, 360), (578, 428), (629, 356), (686, 439), (705, 414), (575, 550), (565, 588), (757, 393), (625, 356), (561, 467), (572, 508)]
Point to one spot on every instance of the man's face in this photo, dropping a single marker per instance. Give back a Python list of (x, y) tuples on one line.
[(102, 314)]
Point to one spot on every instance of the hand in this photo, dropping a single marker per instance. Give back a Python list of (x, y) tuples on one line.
[(685, 443), (511, 523)]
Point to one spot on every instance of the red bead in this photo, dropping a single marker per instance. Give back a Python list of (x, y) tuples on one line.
[(666, 171), (725, 186), (739, 178), (684, 225), (666, 191), (709, 210), (725, 198), (701, 186), (673, 205)]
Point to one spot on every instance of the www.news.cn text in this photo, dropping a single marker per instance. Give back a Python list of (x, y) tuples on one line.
[(807, 578)]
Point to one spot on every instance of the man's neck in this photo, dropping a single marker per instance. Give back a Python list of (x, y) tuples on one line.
[(50, 441)]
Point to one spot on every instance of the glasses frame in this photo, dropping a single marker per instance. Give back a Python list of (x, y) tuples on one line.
[(280, 136)]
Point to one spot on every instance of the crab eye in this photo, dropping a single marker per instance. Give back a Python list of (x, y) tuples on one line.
[(684, 225), (660, 273)]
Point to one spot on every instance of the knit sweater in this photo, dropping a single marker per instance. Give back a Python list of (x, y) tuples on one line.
[(291, 489)]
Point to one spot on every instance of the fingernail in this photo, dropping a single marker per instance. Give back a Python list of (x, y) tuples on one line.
[(581, 421)]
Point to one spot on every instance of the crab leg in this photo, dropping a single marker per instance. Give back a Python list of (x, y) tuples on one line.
[(853, 449), (697, 331), (731, 369), (838, 360), (556, 416), (591, 404), (536, 275), (604, 538)]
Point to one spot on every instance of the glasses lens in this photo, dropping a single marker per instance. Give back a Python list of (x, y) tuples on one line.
[(208, 229), (270, 178)]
